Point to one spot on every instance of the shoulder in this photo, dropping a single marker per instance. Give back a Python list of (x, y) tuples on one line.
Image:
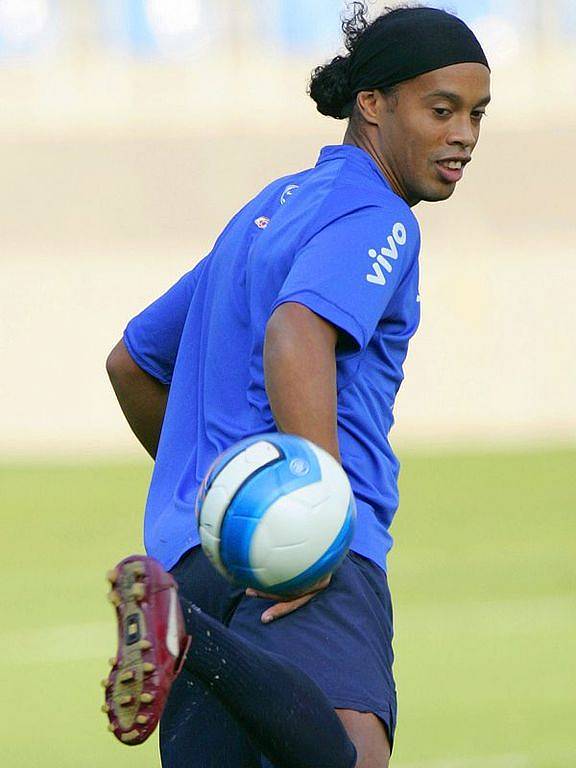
[(374, 216)]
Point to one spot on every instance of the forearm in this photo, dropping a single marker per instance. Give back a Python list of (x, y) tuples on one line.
[(300, 374), (142, 397)]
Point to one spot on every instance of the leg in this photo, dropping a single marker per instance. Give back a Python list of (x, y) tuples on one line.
[(369, 736), (284, 713), (254, 688), (196, 731)]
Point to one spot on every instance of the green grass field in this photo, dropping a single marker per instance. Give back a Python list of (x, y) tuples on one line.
[(483, 577)]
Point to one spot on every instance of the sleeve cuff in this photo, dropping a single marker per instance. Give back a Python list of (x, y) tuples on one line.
[(329, 311), (143, 362)]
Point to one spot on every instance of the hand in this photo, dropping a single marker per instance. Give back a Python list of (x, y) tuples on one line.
[(286, 605)]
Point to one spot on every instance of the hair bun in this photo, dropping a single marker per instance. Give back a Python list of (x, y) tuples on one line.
[(330, 88)]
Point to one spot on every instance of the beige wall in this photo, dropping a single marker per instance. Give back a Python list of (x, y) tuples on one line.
[(116, 180)]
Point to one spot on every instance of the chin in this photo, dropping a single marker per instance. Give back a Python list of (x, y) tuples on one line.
[(437, 195)]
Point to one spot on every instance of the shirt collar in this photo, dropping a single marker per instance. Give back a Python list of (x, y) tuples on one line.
[(354, 154)]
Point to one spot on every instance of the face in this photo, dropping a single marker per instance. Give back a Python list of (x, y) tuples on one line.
[(425, 133)]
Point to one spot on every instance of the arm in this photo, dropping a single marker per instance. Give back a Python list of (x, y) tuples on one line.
[(142, 397), (300, 374), (153, 337)]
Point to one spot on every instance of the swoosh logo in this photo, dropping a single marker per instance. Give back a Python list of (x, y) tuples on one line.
[(172, 631)]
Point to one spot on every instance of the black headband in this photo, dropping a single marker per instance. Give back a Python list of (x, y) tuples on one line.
[(407, 43)]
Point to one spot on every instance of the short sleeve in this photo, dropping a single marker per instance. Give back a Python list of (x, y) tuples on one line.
[(348, 272), (152, 338)]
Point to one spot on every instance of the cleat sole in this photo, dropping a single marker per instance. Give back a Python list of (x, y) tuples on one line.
[(136, 687)]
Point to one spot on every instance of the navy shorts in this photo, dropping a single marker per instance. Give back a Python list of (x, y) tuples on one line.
[(342, 639)]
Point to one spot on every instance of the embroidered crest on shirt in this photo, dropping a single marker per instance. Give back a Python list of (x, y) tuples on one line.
[(385, 258), (262, 222)]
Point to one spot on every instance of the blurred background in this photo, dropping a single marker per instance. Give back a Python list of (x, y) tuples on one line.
[(131, 131)]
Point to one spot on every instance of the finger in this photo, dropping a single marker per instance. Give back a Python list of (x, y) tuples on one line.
[(278, 610), (264, 595), (278, 598)]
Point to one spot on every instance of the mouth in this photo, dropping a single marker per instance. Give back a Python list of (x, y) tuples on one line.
[(451, 170)]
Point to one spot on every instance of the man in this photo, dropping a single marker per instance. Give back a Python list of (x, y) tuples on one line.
[(299, 321)]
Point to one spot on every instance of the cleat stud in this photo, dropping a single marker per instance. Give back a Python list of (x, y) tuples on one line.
[(146, 698), (113, 661), (142, 719), (148, 668), (112, 576), (106, 683), (105, 708), (125, 700), (111, 727), (145, 645), (126, 677), (138, 591), (130, 736), (139, 569), (114, 598)]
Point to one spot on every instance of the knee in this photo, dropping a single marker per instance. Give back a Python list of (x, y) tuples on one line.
[(372, 762), (368, 734)]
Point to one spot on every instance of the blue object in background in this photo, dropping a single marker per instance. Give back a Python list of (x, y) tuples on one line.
[(157, 27), (27, 27), (467, 10), (569, 20), (300, 25)]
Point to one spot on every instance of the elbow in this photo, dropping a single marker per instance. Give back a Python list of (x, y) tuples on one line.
[(119, 364), (113, 365)]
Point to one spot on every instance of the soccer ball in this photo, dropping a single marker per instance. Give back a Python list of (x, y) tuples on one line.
[(275, 512)]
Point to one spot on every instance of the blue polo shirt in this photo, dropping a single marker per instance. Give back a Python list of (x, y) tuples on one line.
[(334, 238)]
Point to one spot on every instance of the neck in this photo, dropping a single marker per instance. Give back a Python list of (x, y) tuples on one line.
[(361, 139)]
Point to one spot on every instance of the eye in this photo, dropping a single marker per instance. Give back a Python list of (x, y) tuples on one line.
[(441, 111), (478, 114)]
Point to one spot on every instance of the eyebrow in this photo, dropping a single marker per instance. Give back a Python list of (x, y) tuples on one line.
[(454, 97)]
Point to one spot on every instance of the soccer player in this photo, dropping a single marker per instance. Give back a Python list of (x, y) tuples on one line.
[(298, 321)]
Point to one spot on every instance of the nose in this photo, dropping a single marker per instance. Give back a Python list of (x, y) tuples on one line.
[(463, 133)]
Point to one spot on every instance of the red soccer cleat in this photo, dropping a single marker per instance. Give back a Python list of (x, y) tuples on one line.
[(152, 644)]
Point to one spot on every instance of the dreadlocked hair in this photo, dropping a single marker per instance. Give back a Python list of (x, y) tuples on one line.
[(330, 84)]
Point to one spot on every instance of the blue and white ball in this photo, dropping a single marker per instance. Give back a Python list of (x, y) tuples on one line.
[(276, 513)]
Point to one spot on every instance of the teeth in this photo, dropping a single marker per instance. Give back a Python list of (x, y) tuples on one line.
[(454, 165)]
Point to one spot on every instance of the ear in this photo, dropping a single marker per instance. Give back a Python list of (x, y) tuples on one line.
[(368, 104)]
